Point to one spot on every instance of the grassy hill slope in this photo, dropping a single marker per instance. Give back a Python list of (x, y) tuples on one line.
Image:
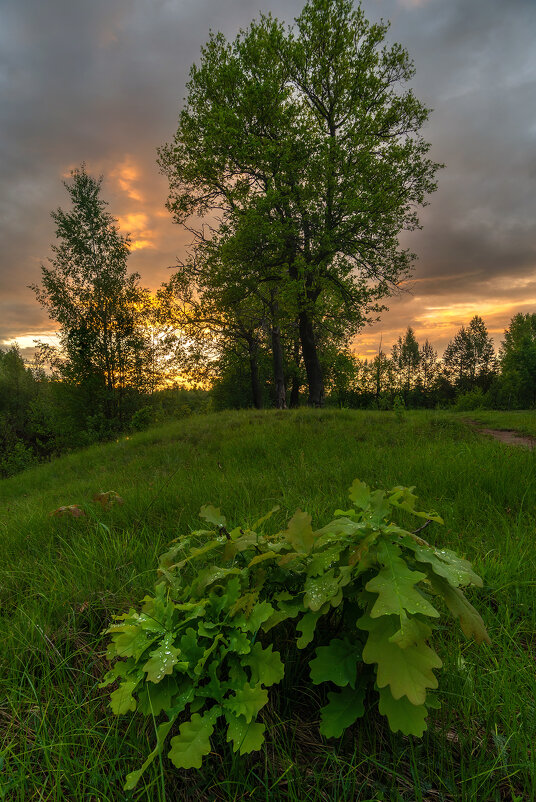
[(61, 580)]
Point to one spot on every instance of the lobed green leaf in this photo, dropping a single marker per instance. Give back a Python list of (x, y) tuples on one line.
[(212, 515), (402, 715), (193, 741), (336, 663), (265, 665), (299, 532), (246, 736), (344, 707), (359, 493), (395, 586), (121, 700), (247, 701), (408, 671), (162, 660)]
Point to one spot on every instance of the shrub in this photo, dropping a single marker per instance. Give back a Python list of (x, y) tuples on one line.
[(399, 407), (472, 399), (204, 646), (17, 459), (141, 419)]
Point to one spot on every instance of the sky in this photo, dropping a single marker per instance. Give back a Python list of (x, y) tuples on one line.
[(102, 82)]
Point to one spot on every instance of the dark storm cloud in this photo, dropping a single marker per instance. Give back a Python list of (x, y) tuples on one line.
[(102, 81), (480, 76), (476, 66)]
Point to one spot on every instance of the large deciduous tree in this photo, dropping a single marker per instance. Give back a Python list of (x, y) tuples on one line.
[(469, 357), (308, 133), (518, 360), (98, 305)]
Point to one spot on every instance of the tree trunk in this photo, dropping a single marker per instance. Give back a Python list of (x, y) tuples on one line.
[(313, 370), (254, 370), (311, 361), (279, 375), (295, 391)]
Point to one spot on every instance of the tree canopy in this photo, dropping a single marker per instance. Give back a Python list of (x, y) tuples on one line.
[(518, 360), (300, 151), (470, 358), (99, 305)]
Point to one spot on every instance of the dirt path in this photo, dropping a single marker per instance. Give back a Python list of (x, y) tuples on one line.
[(508, 436)]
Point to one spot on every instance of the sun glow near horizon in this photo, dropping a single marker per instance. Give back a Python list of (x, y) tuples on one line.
[(439, 323)]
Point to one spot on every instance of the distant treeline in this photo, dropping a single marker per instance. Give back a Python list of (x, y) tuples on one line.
[(470, 374), (43, 416)]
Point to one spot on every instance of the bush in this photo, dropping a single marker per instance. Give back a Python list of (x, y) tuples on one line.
[(19, 457), (472, 399), (141, 419), (207, 641), (399, 407)]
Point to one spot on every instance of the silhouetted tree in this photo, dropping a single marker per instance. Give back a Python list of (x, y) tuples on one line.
[(405, 360), (428, 366), (469, 358)]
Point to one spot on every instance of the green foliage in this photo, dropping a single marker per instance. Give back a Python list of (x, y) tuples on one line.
[(406, 358), (41, 417), (111, 348), (141, 419), (206, 643), (16, 459), (20, 441), (325, 101), (518, 361), (469, 357), (341, 711), (472, 399), (63, 578), (399, 407)]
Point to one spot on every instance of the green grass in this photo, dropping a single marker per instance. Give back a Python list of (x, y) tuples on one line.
[(523, 421), (61, 580)]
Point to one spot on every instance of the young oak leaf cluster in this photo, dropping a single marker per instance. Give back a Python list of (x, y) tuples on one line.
[(203, 648)]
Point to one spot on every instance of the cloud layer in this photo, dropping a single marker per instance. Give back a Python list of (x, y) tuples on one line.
[(102, 82)]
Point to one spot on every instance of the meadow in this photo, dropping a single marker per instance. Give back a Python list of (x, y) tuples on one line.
[(63, 578), (521, 421)]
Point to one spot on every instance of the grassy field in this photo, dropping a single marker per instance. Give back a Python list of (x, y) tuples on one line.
[(519, 420), (61, 580)]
